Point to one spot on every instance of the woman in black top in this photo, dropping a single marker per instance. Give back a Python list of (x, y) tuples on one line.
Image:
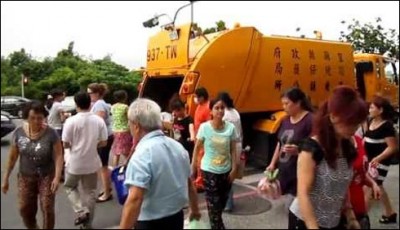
[(380, 145), (39, 151)]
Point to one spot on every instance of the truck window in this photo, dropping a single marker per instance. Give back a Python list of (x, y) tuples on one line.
[(391, 73)]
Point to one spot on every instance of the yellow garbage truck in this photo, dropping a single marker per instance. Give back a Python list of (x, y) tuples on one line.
[(255, 69)]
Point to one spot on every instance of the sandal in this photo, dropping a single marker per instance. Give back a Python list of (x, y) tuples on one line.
[(99, 200), (102, 193), (392, 219), (82, 219)]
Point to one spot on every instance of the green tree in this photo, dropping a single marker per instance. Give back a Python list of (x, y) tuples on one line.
[(67, 71), (371, 37), (64, 78), (220, 26)]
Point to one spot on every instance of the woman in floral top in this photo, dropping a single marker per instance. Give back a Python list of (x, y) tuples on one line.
[(122, 137)]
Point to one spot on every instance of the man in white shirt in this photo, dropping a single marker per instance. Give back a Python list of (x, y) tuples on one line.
[(83, 134)]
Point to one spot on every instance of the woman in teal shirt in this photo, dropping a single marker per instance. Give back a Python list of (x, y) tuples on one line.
[(218, 164)]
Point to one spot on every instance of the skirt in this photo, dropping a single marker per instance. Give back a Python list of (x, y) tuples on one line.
[(122, 143)]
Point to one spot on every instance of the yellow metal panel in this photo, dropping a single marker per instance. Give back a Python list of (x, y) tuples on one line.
[(166, 56), (222, 64), (270, 125), (313, 65), (255, 70)]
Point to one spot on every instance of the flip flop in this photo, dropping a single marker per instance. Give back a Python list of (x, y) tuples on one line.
[(105, 200), (102, 193)]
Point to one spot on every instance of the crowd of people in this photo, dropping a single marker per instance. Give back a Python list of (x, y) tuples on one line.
[(332, 162)]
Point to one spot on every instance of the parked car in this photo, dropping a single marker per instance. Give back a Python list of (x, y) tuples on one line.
[(7, 126), (14, 105)]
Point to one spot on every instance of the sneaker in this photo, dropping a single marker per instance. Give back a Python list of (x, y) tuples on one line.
[(82, 218)]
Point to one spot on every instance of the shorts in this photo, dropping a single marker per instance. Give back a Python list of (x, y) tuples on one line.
[(104, 152)]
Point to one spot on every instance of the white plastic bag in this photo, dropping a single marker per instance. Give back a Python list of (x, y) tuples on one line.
[(203, 223), (269, 186)]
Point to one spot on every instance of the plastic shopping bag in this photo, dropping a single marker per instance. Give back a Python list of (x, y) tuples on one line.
[(202, 223), (269, 186), (199, 224), (118, 178)]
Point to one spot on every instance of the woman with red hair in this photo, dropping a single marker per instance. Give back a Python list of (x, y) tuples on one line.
[(324, 168)]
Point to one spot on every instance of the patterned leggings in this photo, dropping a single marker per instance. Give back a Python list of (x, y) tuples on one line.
[(217, 189), (29, 188)]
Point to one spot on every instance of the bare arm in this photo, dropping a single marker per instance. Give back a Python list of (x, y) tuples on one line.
[(197, 147), (191, 131), (377, 193), (131, 210), (101, 114), (12, 159), (63, 116), (276, 156), (193, 201), (58, 158), (306, 171), (368, 180), (233, 156), (390, 149), (352, 222), (102, 144)]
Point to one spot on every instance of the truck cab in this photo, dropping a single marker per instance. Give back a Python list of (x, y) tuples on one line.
[(376, 75)]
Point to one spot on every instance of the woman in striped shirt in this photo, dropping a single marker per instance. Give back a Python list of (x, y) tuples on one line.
[(380, 145)]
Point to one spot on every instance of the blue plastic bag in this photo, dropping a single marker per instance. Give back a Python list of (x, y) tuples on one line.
[(118, 178)]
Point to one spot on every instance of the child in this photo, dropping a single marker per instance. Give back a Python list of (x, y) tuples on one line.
[(122, 138), (183, 128)]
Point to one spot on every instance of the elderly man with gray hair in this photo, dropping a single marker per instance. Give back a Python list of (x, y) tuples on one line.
[(158, 174)]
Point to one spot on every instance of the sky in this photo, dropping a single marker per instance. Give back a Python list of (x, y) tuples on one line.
[(115, 28)]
